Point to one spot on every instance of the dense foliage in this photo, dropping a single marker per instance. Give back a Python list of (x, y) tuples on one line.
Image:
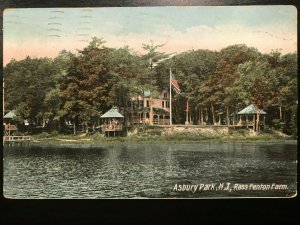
[(80, 87)]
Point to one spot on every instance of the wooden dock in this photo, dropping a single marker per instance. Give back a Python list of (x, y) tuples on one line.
[(17, 139)]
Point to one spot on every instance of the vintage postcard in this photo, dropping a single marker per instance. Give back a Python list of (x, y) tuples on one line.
[(150, 102)]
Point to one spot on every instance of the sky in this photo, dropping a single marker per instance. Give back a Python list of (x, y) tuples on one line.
[(44, 32)]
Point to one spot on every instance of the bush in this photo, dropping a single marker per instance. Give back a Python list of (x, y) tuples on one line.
[(98, 135), (239, 132), (276, 123), (54, 133), (18, 133), (44, 135)]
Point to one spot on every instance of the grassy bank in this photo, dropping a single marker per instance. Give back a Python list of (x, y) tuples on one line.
[(98, 138)]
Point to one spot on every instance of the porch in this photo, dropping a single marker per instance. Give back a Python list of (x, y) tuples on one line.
[(160, 117)]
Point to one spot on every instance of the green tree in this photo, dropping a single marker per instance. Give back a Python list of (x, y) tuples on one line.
[(26, 85), (270, 82), (85, 93), (127, 78), (53, 100), (258, 79), (192, 68), (148, 80), (285, 90), (220, 87)]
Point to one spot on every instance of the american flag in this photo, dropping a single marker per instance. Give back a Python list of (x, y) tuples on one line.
[(175, 84)]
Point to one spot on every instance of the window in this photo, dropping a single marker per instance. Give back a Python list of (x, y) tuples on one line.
[(147, 103), (163, 104), (165, 95), (140, 103), (167, 104)]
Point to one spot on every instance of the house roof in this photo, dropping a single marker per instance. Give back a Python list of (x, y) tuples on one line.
[(112, 113), (250, 110), (10, 115)]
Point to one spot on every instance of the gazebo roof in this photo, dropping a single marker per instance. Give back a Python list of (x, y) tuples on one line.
[(147, 93), (250, 110), (112, 113), (10, 115)]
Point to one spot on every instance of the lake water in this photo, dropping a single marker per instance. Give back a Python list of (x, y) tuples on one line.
[(150, 170)]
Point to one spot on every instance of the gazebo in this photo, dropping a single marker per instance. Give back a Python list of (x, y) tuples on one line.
[(112, 121), (247, 117), (8, 127)]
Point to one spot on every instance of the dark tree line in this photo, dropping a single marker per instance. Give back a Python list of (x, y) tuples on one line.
[(82, 86)]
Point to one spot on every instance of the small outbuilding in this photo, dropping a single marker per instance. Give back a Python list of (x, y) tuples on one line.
[(248, 117), (8, 125), (112, 121)]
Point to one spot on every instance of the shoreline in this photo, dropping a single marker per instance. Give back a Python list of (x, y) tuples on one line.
[(157, 139), (213, 143), (165, 135)]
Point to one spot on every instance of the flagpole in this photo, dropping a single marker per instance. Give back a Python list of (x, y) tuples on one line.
[(170, 98), (187, 112)]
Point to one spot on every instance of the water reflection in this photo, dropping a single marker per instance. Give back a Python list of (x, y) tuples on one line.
[(143, 170)]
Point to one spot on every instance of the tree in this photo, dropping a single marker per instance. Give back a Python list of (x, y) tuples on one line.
[(53, 101), (270, 81), (220, 87), (148, 79), (86, 90), (258, 79), (192, 69), (82, 86), (285, 94), (26, 84), (127, 77)]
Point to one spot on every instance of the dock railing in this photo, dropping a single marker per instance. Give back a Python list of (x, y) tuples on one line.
[(16, 138), (112, 127)]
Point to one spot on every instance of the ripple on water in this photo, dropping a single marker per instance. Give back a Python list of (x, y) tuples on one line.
[(145, 171)]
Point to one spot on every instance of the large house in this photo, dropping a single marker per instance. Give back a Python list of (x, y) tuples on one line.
[(140, 109)]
